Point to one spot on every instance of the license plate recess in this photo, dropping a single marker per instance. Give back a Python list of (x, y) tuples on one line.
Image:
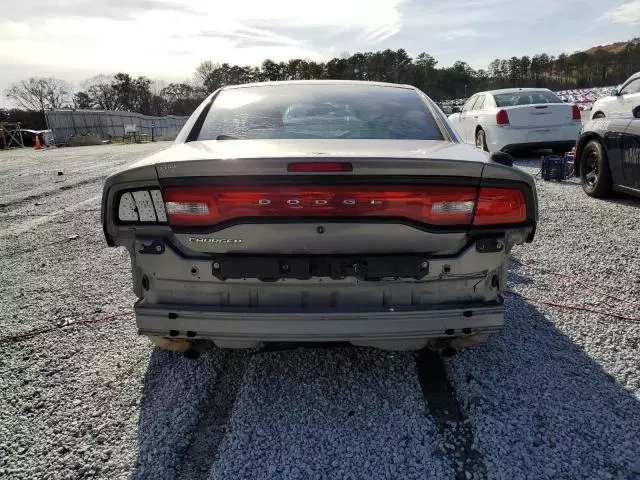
[(305, 267)]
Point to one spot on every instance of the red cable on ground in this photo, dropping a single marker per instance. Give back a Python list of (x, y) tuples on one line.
[(37, 331), (577, 280), (573, 307)]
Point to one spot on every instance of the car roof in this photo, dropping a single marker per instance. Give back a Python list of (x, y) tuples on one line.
[(358, 83), (633, 77)]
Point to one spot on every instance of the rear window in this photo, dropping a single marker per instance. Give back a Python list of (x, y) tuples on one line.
[(525, 98), (320, 111)]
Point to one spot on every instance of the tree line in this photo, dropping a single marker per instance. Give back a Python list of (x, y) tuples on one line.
[(599, 67)]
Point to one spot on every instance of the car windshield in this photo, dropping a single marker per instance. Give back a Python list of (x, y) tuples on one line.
[(321, 111), (525, 98)]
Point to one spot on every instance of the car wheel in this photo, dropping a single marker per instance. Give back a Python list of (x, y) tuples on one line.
[(598, 115), (481, 140), (171, 344), (595, 176)]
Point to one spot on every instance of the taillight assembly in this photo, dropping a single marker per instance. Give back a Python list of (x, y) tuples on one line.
[(502, 117), (500, 206), (576, 114), (144, 206), (434, 205)]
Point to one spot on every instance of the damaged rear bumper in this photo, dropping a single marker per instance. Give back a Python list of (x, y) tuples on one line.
[(230, 327)]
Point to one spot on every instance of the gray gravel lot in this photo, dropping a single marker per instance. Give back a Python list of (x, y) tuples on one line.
[(555, 396)]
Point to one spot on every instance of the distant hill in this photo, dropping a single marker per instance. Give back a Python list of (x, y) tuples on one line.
[(616, 47)]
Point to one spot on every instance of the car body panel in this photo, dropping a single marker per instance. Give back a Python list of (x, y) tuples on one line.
[(228, 154), (506, 138), (631, 155), (538, 116)]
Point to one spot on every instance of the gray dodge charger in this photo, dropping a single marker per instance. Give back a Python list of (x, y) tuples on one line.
[(319, 211)]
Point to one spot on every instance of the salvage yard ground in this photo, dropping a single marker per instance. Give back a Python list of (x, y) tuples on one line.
[(555, 396)]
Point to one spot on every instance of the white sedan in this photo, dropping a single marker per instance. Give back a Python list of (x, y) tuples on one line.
[(518, 119), (621, 101)]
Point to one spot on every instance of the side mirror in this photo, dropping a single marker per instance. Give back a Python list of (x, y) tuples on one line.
[(636, 112), (456, 110), (615, 92)]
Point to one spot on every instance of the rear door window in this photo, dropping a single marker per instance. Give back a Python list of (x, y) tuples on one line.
[(631, 87), (468, 106), (479, 104)]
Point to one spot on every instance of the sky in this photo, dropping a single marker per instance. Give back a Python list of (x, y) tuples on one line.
[(167, 39)]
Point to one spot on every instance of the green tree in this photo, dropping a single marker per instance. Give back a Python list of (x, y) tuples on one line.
[(82, 101)]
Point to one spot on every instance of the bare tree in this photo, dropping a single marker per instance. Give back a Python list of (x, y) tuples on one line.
[(38, 94), (101, 92), (205, 73)]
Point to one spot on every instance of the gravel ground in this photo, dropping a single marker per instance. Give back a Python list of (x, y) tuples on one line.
[(556, 395), (357, 414), (563, 386)]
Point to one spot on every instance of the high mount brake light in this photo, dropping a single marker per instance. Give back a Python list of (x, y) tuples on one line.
[(434, 205), (317, 167)]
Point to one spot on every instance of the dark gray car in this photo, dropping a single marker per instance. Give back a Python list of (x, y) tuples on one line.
[(381, 228), (608, 155)]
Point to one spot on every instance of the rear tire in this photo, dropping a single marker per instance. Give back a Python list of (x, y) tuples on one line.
[(598, 115), (595, 176), (481, 140)]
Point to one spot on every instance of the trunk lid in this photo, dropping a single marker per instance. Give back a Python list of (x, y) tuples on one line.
[(238, 168), (546, 115), (270, 157)]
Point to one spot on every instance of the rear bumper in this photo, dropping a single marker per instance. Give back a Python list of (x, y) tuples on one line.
[(538, 145), (242, 327), (501, 139)]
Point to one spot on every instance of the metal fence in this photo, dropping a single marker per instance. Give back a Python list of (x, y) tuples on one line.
[(106, 124)]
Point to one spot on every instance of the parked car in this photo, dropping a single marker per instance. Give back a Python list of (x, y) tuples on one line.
[(518, 119), (29, 137), (388, 233), (608, 155), (621, 100)]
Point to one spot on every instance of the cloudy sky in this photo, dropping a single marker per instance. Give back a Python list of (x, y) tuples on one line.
[(166, 39)]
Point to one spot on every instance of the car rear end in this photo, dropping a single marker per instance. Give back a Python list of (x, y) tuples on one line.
[(537, 119), (379, 242)]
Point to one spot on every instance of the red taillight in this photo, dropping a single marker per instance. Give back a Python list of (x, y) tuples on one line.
[(576, 113), (502, 117), (497, 206), (437, 205), (315, 167)]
